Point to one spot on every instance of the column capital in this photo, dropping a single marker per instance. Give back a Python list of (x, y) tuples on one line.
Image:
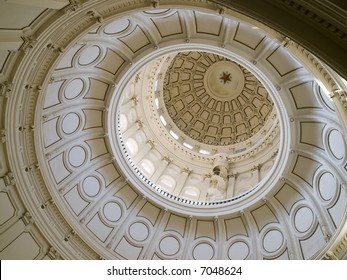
[(256, 167), (27, 219), (337, 93), (151, 142), (187, 170), (28, 43), (9, 179), (94, 15), (3, 135), (73, 6), (5, 89), (135, 100), (139, 123), (231, 175), (52, 253), (167, 159), (286, 42)]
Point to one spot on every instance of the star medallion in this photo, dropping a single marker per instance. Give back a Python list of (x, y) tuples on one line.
[(225, 77)]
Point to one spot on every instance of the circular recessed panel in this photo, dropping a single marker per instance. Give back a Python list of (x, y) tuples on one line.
[(89, 55), (91, 186), (336, 144), (112, 211), (303, 219), (273, 240), (238, 251), (203, 251), (138, 231), (169, 245), (70, 123), (77, 156), (74, 89), (327, 186)]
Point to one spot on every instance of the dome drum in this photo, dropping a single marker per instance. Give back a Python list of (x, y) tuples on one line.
[(133, 139)]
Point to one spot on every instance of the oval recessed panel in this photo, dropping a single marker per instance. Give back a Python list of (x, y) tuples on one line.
[(77, 156), (70, 123), (303, 219), (327, 186), (203, 251), (336, 144), (74, 89), (138, 231), (91, 186), (112, 211), (169, 245), (273, 240), (116, 26), (238, 251), (89, 55)]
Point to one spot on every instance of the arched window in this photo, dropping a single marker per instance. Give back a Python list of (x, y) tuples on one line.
[(147, 167), (123, 122), (167, 183), (131, 146), (191, 192)]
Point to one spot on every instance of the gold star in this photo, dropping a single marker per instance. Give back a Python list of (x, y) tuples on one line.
[(225, 77)]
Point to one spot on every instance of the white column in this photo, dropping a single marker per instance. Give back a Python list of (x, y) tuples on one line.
[(204, 187), (181, 181), (127, 106), (143, 151), (231, 186), (51, 4), (161, 168), (131, 130), (255, 175)]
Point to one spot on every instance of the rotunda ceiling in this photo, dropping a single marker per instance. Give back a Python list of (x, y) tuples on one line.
[(85, 117), (156, 157), (214, 100)]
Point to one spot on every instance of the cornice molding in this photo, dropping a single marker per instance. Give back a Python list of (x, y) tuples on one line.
[(30, 80)]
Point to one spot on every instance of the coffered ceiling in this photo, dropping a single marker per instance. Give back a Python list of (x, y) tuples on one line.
[(89, 84)]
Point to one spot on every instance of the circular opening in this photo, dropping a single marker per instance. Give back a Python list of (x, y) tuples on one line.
[(167, 151)]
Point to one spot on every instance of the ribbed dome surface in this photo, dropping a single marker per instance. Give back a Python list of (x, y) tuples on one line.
[(214, 100)]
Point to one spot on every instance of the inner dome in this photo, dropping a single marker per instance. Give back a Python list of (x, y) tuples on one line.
[(198, 128), (214, 100)]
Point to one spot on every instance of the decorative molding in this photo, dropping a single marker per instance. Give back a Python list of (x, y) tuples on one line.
[(28, 43), (5, 89), (74, 6), (94, 232), (330, 25)]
